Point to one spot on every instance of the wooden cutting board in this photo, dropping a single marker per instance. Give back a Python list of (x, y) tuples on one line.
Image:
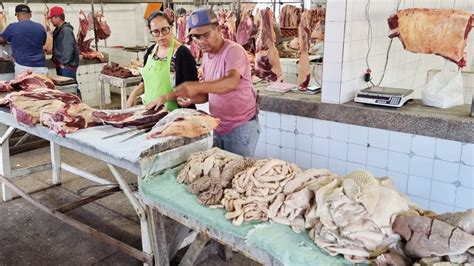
[(60, 80)]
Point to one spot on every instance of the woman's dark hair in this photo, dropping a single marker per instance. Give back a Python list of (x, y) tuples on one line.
[(156, 14)]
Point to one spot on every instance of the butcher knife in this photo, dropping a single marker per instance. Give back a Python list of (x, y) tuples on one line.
[(136, 134), (146, 126)]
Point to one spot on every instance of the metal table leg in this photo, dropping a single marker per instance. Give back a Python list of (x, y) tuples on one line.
[(139, 208), (123, 97), (102, 95), (5, 168)]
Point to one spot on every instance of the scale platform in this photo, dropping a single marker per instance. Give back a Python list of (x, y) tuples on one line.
[(384, 96)]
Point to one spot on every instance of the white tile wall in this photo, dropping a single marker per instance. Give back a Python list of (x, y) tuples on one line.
[(448, 150), (339, 131), (400, 142), (466, 175), (358, 135), (88, 81), (421, 166), (423, 146), (288, 122), (445, 171), (467, 154), (357, 153), (303, 142), (417, 167)]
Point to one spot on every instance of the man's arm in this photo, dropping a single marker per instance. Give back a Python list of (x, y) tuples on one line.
[(221, 86), (6, 35)]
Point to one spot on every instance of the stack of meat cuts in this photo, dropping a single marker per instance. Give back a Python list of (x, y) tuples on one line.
[(25, 81), (64, 113), (115, 70), (433, 31), (84, 45), (267, 60)]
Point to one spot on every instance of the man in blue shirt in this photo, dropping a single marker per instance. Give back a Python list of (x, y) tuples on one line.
[(27, 39)]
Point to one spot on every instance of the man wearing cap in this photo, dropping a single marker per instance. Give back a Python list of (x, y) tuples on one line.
[(27, 39), (65, 51), (227, 85)]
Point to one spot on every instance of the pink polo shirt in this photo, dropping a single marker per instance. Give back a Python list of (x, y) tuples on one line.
[(236, 107)]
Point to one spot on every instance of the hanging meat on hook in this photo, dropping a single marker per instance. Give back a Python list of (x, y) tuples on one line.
[(442, 32), (102, 29), (85, 45), (48, 46), (304, 33), (267, 60)]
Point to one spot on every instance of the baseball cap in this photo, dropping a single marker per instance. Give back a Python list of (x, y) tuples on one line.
[(22, 8), (55, 11), (200, 21)]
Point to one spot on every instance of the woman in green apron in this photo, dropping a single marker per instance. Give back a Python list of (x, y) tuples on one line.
[(166, 65)]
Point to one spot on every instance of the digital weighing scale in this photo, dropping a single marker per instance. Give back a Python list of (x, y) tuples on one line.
[(384, 96)]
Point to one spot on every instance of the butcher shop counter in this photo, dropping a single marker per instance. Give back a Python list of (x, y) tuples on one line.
[(264, 242), (414, 118), (9, 67), (138, 156)]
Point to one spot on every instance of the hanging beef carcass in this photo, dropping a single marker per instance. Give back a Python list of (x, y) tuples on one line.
[(290, 16), (102, 29), (48, 46), (433, 31), (84, 45), (267, 60), (181, 24), (230, 23), (3, 20), (244, 30), (304, 32), (171, 15), (317, 34)]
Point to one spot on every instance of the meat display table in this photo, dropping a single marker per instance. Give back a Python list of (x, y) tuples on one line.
[(266, 243), (137, 155), (118, 82)]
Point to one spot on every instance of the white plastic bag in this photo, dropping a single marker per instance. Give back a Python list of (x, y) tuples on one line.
[(444, 90)]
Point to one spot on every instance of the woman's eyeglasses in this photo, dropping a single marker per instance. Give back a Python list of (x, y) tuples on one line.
[(162, 31)]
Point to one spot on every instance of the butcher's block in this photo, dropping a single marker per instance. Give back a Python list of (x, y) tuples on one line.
[(61, 80)]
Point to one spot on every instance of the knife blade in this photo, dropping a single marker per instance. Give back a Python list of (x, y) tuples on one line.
[(145, 126)]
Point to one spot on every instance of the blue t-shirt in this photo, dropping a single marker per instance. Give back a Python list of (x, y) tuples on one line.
[(27, 39)]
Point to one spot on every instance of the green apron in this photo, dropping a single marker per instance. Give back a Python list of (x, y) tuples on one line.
[(156, 77)]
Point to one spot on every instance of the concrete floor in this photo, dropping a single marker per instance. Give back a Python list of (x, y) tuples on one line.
[(29, 236)]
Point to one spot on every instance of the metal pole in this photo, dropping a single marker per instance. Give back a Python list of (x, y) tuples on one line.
[(102, 10), (95, 30), (238, 14)]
